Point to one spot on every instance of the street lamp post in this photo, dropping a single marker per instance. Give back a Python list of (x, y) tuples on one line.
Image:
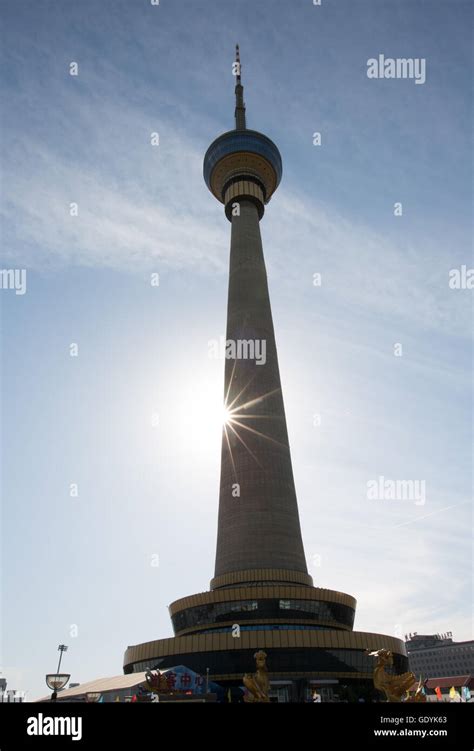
[(57, 681), (61, 649)]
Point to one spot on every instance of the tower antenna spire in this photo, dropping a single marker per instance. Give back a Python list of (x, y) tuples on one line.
[(240, 119)]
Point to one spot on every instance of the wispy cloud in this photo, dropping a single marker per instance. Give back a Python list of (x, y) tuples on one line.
[(140, 206), (363, 268)]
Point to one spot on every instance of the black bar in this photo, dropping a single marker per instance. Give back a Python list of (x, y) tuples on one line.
[(140, 725)]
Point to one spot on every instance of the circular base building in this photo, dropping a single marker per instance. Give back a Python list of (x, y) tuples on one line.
[(306, 632)]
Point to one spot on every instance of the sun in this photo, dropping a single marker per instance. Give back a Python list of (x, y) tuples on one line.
[(226, 415)]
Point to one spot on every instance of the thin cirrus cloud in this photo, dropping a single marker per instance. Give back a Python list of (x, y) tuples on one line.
[(161, 213), (126, 231), (128, 224), (142, 206), (364, 269)]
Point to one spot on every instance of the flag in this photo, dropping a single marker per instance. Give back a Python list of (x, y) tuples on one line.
[(466, 694), (452, 692), (229, 696), (438, 693)]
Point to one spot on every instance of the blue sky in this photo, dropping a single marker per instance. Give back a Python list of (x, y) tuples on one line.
[(84, 565)]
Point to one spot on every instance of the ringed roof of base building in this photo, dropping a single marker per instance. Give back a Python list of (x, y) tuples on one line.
[(103, 685)]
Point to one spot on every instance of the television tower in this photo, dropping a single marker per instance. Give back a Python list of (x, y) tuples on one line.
[(261, 597), (258, 526)]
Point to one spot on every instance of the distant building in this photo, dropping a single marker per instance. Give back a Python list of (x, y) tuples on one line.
[(8, 696), (438, 656)]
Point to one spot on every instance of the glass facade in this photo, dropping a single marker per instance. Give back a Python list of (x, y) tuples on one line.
[(204, 615), (325, 611), (267, 627)]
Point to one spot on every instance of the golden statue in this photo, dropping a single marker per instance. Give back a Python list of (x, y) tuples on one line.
[(393, 686), (258, 684)]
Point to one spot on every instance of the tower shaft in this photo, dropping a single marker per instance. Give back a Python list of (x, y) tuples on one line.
[(258, 524)]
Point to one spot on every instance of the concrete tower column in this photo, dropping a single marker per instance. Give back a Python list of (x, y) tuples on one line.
[(258, 524)]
